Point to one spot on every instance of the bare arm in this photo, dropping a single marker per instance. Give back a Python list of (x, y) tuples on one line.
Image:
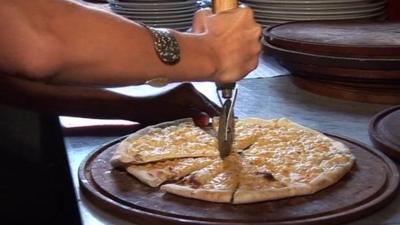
[(180, 102), (62, 41)]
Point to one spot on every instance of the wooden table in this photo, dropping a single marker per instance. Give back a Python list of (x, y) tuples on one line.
[(269, 97)]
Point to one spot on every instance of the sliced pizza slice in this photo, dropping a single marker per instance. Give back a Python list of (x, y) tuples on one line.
[(156, 173), (304, 160), (258, 182), (216, 182), (247, 131), (264, 179), (170, 140)]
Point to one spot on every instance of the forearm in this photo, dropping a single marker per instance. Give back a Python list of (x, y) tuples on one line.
[(87, 46), (70, 100), (99, 103)]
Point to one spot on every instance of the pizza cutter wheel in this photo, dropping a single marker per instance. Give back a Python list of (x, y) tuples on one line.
[(226, 129)]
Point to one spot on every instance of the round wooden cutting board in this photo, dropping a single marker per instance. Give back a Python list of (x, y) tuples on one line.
[(369, 186), (293, 55), (348, 91), (334, 38), (384, 131)]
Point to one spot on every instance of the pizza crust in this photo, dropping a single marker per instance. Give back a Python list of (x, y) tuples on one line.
[(252, 196), (119, 160), (148, 178), (327, 179), (222, 196)]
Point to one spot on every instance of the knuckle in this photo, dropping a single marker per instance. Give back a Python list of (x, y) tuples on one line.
[(248, 10), (256, 29), (203, 12), (252, 65), (259, 30), (199, 13), (226, 79), (258, 47), (245, 11), (207, 10), (255, 64)]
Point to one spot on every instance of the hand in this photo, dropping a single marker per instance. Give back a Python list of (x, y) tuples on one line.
[(181, 102), (234, 38)]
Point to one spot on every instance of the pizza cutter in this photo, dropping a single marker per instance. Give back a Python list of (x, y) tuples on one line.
[(227, 91), (226, 129)]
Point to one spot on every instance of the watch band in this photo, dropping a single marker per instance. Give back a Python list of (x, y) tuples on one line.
[(165, 45)]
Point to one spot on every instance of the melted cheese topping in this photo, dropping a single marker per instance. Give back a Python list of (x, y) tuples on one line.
[(294, 154), (183, 140), (257, 174), (220, 175), (170, 169)]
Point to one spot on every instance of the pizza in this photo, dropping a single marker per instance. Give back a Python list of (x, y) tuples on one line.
[(272, 159), (174, 140)]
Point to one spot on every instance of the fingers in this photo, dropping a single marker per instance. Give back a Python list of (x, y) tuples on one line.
[(201, 119), (234, 37), (183, 101), (202, 103), (199, 24), (195, 102), (211, 108)]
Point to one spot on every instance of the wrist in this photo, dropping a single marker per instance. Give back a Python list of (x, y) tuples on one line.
[(197, 56), (209, 54)]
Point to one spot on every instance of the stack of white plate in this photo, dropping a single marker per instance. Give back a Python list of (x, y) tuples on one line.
[(269, 12), (174, 14)]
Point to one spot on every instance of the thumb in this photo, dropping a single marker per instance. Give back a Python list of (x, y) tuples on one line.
[(199, 20)]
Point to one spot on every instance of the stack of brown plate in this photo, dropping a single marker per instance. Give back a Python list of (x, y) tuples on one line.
[(356, 61)]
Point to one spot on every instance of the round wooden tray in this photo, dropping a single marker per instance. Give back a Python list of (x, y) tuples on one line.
[(384, 131), (331, 61), (347, 91), (369, 186), (335, 38), (354, 75)]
